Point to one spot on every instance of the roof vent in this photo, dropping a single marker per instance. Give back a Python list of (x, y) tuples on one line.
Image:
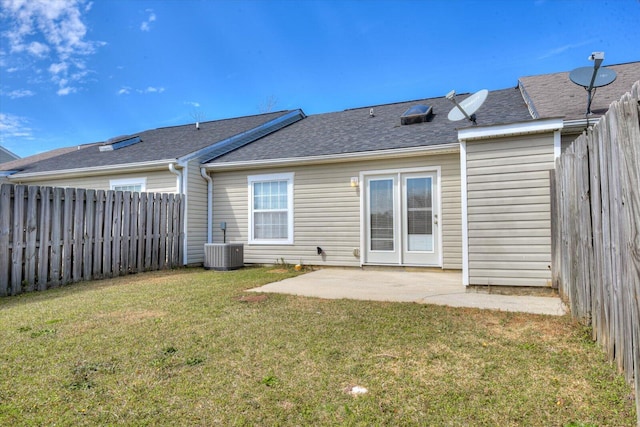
[(417, 114), (119, 142)]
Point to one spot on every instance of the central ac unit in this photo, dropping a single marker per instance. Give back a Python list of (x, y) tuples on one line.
[(223, 256)]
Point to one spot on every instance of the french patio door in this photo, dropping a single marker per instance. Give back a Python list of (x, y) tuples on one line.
[(401, 219)]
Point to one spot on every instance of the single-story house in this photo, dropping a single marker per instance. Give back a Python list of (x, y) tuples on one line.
[(392, 185)]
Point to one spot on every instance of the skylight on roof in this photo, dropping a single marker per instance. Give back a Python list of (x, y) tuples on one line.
[(120, 143), (417, 114)]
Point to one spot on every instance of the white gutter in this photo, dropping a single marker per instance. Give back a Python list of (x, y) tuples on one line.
[(205, 175), (92, 171), (335, 158), (180, 190), (512, 129)]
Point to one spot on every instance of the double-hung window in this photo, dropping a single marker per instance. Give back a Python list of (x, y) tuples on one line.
[(128, 184), (271, 208)]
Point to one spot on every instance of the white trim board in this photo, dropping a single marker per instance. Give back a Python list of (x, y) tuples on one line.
[(534, 126)]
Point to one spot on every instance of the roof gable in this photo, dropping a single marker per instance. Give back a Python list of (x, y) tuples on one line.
[(555, 95)]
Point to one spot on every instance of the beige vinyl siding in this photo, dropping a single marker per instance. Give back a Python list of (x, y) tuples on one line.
[(327, 210), (566, 139), (196, 212), (157, 181), (508, 211)]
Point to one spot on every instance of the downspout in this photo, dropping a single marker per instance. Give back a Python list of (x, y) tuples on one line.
[(173, 170), (179, 190), (205, 175)]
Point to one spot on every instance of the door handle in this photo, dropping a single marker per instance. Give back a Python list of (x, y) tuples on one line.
[(435, 219)]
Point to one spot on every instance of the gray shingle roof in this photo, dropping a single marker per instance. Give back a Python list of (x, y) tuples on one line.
[(555, 95), (157, 144), (353, 131)]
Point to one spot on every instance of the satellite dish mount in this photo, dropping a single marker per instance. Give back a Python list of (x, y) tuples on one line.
[(592, 78), (468, 107)]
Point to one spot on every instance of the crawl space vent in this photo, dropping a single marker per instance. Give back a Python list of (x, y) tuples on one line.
[(417, 114)]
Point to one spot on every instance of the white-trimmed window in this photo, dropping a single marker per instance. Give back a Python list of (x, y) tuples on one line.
[(271, 209), (128, 184)]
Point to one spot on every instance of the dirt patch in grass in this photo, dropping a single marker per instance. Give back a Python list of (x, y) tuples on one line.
[(253, 298), (278, 270)]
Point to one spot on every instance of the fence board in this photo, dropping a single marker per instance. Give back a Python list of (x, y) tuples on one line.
[(5, 225), (87, 238), (106, 241), (31, 250), (162, 250), (98, 234), (18, 241), (142, 226), (126, 232), (148, 231), (156, 232), (77, 233), (116, 232), (45, 224)]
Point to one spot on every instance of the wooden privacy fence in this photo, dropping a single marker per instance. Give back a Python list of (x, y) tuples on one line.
[(596, 232), (54, 236)]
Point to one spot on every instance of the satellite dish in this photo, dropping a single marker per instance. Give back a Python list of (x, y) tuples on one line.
[(468, 107), (582, 76), (592, 78)]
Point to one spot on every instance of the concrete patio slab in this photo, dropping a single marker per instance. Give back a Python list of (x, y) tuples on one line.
[(423, 287)]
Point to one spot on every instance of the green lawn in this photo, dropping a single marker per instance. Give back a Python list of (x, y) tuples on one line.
[(190, 347)]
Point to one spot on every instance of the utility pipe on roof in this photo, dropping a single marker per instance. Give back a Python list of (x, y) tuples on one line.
[(205, 175)]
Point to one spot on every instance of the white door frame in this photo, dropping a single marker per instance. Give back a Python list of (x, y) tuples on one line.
[(398, 173)]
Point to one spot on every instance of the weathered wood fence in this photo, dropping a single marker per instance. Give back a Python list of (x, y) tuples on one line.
[(596, 232), (54, 236)]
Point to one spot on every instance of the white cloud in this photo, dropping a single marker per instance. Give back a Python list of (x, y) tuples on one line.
[(38, 49), (58, 68), (50, 30), (146, 25), (126, 90), (561, 49), (19, 93), (12, 126), (152, 89), (193, 103)]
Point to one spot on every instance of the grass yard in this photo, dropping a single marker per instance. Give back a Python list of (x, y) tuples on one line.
[(190, 347)]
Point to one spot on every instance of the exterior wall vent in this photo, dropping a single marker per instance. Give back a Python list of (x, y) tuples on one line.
[(417, 114), (119, 142)]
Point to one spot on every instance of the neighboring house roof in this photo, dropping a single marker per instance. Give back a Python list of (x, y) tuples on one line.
[(20, 164), (6, 155), (354, 131), (163, 144), (555, 95)]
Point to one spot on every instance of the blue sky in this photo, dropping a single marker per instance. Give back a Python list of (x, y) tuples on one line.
[(79, 71)]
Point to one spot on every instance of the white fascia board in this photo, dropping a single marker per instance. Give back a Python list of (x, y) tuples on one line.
[(93, 171), (335, 158), (530, 127)]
